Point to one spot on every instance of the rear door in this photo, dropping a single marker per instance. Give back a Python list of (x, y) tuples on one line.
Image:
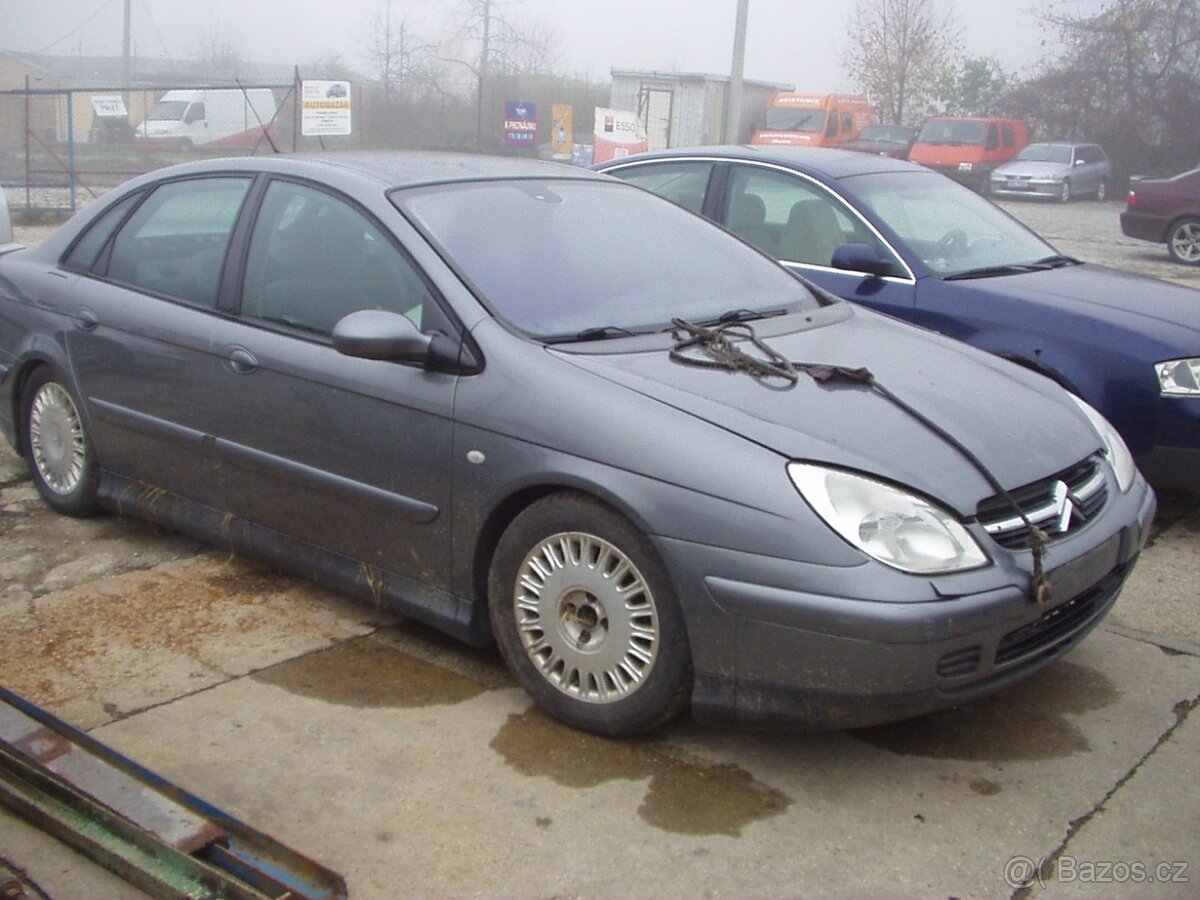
[(140, 333)]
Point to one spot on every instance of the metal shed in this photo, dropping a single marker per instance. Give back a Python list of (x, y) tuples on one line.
[(683, 109)]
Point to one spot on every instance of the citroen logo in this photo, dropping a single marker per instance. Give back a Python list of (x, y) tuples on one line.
[(1064, 505)]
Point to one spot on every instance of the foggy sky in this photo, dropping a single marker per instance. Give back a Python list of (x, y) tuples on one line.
[(801, 42)]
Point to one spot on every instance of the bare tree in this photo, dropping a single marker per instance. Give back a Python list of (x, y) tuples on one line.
[(898, 52), (399, 58), (218, 57)]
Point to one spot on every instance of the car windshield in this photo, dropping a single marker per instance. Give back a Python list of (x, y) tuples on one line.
[(808, 120), (950, 228), (1051, 153), (565, 258), (167, 111), (952, 132), (886, 134)]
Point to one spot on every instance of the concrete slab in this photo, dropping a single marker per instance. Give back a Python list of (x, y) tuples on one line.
[(411, 778), (1135, 844)]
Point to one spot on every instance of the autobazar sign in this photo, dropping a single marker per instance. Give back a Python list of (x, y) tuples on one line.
[(324, 108), (520, 124)]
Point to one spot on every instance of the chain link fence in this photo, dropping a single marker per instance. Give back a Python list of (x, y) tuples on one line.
[(60, 149)]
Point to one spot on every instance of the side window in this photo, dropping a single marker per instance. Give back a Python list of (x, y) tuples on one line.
[(195, 113), (683, 183), (87, 249), (174, 244), (790, 218), (831, 129), (1010, 135), (314, 259), (847, 121), (993, 138)]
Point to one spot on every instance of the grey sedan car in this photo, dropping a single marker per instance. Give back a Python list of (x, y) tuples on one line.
[(1058, 170), (527, 404)]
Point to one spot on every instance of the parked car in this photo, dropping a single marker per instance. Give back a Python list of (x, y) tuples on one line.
[(968, 149), (888, 235), (1056, 169), (482, 390), (1166, 210), (884, 140)]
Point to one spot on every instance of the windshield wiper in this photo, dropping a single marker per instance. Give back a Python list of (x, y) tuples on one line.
[(598, 333), (743, 315), (1057, 261)]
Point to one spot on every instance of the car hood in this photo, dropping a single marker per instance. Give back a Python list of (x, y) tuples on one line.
[(1156, 309), (1019, 425), (1029, 169)]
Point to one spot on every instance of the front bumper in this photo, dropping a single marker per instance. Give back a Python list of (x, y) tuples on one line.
[(1049, 190), (785, 656), (977, 178)]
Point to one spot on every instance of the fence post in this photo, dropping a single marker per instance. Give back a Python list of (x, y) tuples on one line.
[(71, 147), (28, 192)]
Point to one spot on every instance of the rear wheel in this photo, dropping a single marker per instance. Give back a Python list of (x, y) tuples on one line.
[(586, 618), (1183, 241), (57, 449)]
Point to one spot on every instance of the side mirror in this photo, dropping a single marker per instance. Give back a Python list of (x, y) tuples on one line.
[(860, 258), (1080, 162), (383, 335)]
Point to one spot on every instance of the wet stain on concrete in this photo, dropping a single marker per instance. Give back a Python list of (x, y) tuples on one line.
[(1028, 721), (985, 787), (363, 673), (685, 796)]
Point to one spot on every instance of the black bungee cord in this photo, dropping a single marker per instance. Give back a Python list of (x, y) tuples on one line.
[(723, 353)]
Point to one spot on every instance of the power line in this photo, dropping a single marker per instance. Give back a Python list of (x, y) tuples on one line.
[(103, 6)]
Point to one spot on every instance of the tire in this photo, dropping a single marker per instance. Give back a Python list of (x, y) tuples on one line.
[(1183, 240), (57, 449), (586, 617), (1102, 191), (1064, 194)]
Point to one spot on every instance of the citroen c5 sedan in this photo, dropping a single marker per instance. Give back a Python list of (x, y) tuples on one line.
[(539, 407)]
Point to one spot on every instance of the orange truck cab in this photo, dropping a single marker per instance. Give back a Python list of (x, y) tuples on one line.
[(813, 120), (967, 149)]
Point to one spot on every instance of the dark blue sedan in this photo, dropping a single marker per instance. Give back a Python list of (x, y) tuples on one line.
[(909, 242)]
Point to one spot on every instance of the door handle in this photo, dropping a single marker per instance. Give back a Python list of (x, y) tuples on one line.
[(242, 361), (86, 320)]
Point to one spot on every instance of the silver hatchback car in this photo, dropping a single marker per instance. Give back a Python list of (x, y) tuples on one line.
[(1058, 170)]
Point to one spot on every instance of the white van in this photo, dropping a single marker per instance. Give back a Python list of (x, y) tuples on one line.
[(221, 117)]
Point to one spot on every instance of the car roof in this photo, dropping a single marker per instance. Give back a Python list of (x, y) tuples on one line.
[(390, 169), (822, 161)]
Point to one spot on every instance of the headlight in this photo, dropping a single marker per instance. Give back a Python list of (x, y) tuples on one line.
[(1179, 377), (1114, 446), (965, 167), (897, 528)]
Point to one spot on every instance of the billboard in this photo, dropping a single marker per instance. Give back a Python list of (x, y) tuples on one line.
[(324, 108), (563, 134), (520, 124), (617, 133)]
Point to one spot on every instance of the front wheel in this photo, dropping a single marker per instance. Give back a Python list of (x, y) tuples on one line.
[(586, 617), (1101, 191), (57, 449), (1183, 241), (1064, 194)]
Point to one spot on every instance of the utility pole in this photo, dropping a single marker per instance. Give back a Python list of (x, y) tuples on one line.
[(483, 63), (733, 108), (126, 66)]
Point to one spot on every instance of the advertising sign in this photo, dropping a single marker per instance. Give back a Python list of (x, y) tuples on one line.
[(617, 133), (563, 133), (520, 124), (324, 108), (109, 106)]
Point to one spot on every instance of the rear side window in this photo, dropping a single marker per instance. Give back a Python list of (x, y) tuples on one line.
[(175, 243), (683, 183), (1010, 136), (87, 249)]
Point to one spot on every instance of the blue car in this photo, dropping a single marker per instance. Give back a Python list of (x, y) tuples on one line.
[(911, 243)]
